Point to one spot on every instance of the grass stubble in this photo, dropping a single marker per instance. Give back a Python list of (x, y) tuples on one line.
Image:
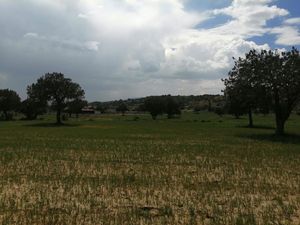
[(120, 171)]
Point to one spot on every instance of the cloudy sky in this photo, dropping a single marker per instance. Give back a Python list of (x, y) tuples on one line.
[(132, 48)]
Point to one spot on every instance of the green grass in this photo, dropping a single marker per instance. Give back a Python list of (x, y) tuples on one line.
[(200, 169)]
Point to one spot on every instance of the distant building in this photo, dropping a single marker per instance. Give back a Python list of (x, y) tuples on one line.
[(88, 110)]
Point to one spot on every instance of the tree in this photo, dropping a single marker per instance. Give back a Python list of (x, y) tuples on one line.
[(32, 108), (279, 73), (158, 105), (56, 89), (268, 76), (122, 107), (171, 106), (154, 105), (9, 101), (75, 106), (242, 93), (101, 107)]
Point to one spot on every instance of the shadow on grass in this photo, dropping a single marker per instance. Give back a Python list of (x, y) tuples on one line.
[(284, 139), (51, 125), (263, 127)]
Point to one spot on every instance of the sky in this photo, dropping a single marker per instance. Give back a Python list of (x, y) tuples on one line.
[(119, 49)]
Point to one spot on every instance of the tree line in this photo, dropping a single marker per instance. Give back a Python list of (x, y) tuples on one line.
[(262, 81)]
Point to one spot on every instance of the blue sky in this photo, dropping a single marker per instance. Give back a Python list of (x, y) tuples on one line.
[(292, 6), (131, 48)]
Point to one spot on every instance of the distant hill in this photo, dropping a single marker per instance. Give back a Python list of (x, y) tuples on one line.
[(191, 102)]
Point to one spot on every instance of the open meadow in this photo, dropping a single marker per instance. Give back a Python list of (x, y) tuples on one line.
[(111, 169)]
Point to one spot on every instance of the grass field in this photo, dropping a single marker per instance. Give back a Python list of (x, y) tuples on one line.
[(200, 169)]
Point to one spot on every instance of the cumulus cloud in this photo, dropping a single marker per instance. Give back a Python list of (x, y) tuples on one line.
[(249, 17), (287, 35), (292, 21), (129, 48)]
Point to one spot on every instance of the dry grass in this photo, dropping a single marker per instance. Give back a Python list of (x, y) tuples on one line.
[(122, 172)]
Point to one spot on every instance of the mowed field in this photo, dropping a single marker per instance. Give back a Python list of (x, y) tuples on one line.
[(200, 169)]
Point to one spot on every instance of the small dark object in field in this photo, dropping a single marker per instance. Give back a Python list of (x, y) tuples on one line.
[(220, 121), (136, 118), (149, 211)]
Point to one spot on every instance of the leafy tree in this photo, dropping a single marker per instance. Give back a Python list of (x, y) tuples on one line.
[(122, 107), (234, 102), (267, 76), (32, 108), (101, 107), (154, 105), (279, 73), (242, 92), (9, 101), (56, 89), (75, 106), (158, 105), (171, 106)]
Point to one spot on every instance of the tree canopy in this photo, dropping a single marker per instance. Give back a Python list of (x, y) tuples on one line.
[(76, 106), (158, 105), (56, 89), (31, 108), (267, 76), (9, 101)]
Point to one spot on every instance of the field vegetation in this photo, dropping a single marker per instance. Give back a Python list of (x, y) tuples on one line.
[(111, 169)]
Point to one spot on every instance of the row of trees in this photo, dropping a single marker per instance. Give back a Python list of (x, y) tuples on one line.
[(51, 89), (158, 105), (263, 81)]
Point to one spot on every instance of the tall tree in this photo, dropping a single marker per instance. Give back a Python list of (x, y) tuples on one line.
[(9, 101), (279, 73), (241, 91), (56, 89), (268, 76)]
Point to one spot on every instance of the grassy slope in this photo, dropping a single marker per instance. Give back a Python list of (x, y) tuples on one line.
[(201, 169)]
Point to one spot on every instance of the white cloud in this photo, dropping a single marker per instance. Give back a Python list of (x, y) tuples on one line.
[(249, 17), (131, 48), (64, 43), (292, 21), (286, 35)]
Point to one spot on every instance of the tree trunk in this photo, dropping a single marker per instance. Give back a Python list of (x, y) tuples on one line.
[(58, 116), (279, 126), (153, 116), (5, 115), (280, 121), (250, 118)]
